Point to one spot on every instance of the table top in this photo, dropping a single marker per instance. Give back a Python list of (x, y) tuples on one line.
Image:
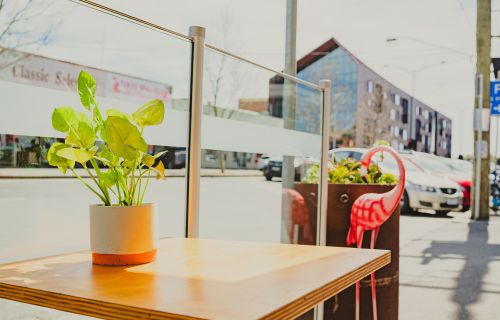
[(193, 279)]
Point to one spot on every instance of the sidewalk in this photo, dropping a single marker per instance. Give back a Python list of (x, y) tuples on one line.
[(451, 270), (44, 173)]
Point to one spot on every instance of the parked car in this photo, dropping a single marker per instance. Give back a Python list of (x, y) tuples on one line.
[(422, 190), (275, 164), (463, 176), (457, 170), (273, 168), (179, 159), (262, 162)]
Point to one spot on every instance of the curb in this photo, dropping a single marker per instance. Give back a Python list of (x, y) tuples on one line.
[(168, 175)]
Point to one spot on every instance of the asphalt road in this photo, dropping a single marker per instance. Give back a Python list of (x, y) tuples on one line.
[(450, 268)]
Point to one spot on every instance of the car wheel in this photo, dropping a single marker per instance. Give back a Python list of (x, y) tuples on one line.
[(405, 204), (269, 177), (442, 213)]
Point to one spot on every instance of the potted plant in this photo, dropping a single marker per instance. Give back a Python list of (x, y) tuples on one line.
[(348, 180), (123, 229)]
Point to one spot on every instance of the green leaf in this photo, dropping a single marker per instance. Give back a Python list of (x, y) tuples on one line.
[(149, 114), (66, 118), (160, 170), (55, 160), (128, 166), (148, 160), (123, 138), (109, 178), (117, 113), (83, 137), (86, 89), (159, 154), (78, 155), (107, 157)]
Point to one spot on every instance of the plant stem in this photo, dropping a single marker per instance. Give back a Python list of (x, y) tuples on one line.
[(146, 186), (139, 187), (98, 172), (119, 195), (103, 189), (88, 186)]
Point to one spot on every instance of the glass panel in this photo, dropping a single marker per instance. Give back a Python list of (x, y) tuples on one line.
[(260, 135), (40, 58)]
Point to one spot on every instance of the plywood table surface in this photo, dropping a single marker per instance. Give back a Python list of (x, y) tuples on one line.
[(193, 279)]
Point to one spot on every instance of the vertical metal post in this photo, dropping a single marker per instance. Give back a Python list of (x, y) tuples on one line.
[(290, 88), (194, 143), (323, 179), (321, 226), (479, 124)]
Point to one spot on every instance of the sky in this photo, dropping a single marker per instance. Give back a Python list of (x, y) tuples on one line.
[(436, 39)]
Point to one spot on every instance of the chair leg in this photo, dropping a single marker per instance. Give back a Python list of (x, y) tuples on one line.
[(359, 240), (374, 289)]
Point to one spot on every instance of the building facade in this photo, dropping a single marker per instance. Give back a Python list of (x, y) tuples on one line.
[(365, 106)]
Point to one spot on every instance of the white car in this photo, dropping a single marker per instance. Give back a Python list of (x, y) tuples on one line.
[(262, 161), (422, 190)]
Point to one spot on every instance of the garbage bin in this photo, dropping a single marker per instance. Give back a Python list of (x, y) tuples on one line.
[(340, 200)]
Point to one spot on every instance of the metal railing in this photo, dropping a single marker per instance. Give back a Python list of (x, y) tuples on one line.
[(197, 38)]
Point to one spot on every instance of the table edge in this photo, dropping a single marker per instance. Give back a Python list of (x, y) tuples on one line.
[(83, 306), (308, 301)]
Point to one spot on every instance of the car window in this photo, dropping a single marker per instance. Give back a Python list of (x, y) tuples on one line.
[(389, 163), (432, 165), (341, 155), (356, 155)]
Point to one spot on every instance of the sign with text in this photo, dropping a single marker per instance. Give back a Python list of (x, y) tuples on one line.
[(495, 98), (30, 69)]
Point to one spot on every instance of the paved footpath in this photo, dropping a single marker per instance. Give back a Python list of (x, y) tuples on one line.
[(452, 270)]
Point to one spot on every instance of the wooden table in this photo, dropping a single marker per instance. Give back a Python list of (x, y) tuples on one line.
[(193, 279)]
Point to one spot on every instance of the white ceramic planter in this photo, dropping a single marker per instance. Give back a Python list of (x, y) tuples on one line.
[(123, 235)]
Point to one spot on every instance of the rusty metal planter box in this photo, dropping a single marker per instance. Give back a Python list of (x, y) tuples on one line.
[(340, 200)]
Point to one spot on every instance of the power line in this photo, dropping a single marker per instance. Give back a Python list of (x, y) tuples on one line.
[(469, 23)]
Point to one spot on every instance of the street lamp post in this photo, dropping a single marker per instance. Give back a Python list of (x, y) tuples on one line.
[(430, 44)]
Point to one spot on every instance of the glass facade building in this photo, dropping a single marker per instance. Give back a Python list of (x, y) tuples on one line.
[(364, 106)]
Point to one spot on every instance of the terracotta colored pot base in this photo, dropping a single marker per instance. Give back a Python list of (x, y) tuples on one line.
[(123, 259)]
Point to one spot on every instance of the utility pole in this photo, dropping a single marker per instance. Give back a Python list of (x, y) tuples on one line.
[(480, 203), (290, 87)]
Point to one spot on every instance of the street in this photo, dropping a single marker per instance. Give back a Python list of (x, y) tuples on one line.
[(449, 267)]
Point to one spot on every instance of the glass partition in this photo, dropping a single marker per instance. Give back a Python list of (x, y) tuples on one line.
[(260, 136), (41, 56)]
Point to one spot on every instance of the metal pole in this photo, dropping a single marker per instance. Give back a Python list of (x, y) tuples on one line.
[(478, 119), (290, 88), (323, 178), (194, 143)]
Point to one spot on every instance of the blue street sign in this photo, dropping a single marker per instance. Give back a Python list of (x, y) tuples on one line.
[(495, 98)]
